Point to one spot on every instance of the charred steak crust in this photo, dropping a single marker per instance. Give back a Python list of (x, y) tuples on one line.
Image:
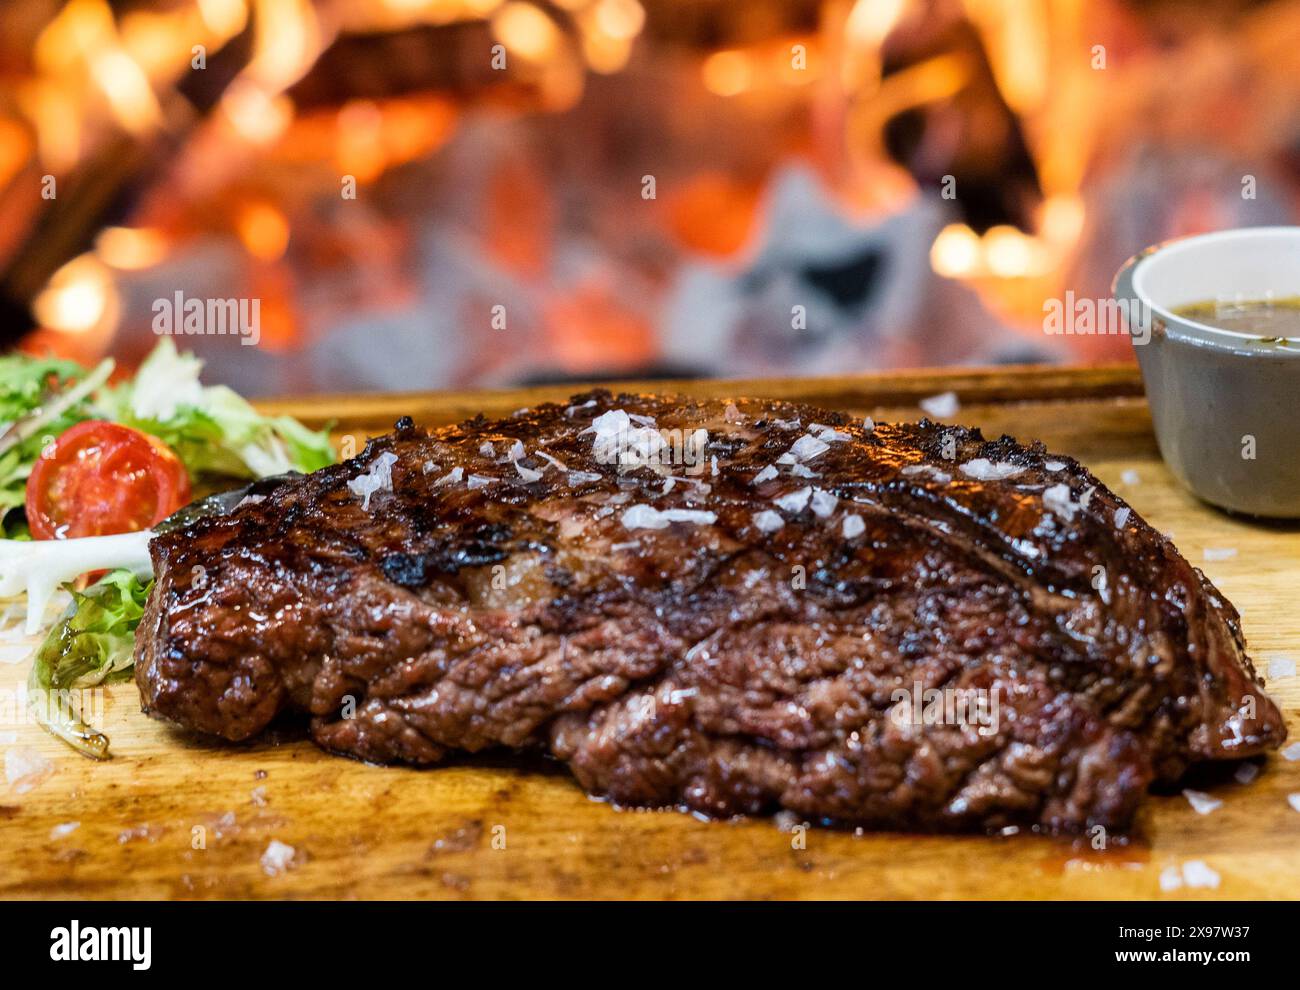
[(512, 588)]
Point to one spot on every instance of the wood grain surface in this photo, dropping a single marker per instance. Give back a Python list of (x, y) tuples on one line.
[(176, 817)]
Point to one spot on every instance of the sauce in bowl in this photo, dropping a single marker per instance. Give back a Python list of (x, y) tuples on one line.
[(1270, 319)]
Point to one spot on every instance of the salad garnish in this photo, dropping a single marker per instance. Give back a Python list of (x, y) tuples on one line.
[(87, 470), (213, 429), (91, 644)]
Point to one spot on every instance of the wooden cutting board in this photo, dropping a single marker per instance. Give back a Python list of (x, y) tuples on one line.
[(171, 816)]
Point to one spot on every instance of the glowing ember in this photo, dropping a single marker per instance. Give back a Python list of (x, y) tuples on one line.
[(80, 297), (264, 231), (727, 73), (130, 248), (256, 115), (526, 31)]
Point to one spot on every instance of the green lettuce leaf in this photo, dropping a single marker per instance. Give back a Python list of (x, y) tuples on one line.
[(92, 643), (212, 428), (94, 639), (25, 379)]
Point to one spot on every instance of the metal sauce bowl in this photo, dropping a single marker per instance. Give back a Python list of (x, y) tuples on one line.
[(1226, 405)]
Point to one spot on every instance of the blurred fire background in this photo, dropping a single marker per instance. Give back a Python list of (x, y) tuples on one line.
[(632, 187)]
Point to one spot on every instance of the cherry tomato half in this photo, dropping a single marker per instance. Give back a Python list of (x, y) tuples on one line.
[(100, 478)]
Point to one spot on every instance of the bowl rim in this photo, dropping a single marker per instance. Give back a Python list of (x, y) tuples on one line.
[(1194, 331)]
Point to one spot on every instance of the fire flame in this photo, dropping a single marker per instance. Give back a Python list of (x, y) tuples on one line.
[(95, 73)]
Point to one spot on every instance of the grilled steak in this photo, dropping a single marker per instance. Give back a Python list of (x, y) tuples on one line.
[(731, 607)]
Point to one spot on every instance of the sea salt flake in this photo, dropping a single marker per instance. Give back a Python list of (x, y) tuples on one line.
[(785, 820), (378, 478), (555, 462), (868, 423), (768, 521), (808, 447), (632, 446), (610, 421), (648, 517), (794, 501), (1294, 801), (732, 414), (583, 477), (829, 434), (803, 471), (26, 769), (1279, 667), (452, 477), (1054, 465), (1121, 516), (478, 481), (982, 469), (1171, 878), (278, 858), (1245, 773), (486, 449), (1197, 873), (1219, 553), (912, 470), (767, 474), (823, 503), (941, 406), (853, 526), (575, 409), (1057, 500), (64, 828), (529, 475), (1130, 477), (1201, 802), (1292, 752)]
